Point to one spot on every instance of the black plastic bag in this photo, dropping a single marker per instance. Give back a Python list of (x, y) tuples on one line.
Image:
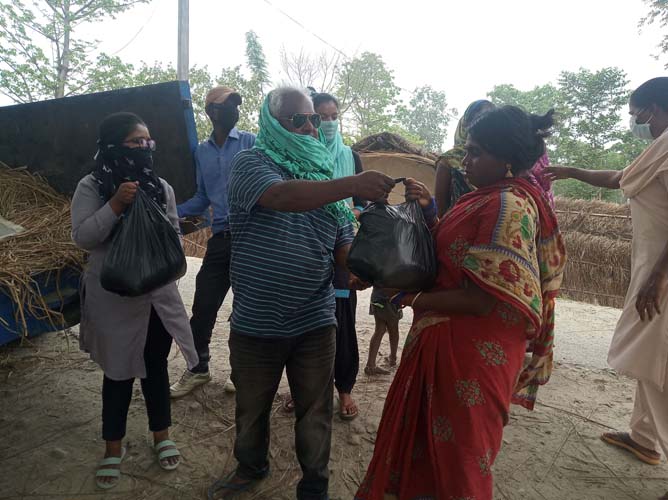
[(394, 248), (145, 251)]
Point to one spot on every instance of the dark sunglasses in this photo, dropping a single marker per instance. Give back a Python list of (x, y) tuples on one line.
[(299, 119), (142, 143)]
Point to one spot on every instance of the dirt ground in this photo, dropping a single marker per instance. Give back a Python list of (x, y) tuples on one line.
[(50, 425)]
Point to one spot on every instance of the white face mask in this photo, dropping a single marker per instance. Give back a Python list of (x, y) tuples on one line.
[(641, 130)]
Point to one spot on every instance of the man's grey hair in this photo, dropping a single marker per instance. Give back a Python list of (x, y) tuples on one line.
[(278, 98)]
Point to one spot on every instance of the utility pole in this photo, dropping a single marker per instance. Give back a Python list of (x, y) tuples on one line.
[(182, 63)]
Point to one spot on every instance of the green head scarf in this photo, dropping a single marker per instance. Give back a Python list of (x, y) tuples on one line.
[(455, 156), (303, 156), (469, 116)]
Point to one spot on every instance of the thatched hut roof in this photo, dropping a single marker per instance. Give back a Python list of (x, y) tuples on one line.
[(598, 218), (598, 269), (598, 241), (386, 141)]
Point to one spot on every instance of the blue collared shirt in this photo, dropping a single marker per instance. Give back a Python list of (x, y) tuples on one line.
[(212, 166)]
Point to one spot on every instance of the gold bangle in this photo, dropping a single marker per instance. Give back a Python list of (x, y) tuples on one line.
[(415, 298)]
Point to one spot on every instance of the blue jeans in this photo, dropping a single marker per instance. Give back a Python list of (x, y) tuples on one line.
[(257, 367)]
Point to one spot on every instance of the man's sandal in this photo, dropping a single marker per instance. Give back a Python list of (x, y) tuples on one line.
[(103, 471), (623, 440), (349, 412), (234, 488), (375, 370), (167, 449)]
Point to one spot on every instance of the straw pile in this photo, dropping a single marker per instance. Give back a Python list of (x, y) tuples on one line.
[(598, 269), (595, 217), (598, 241), (386, 141), (44, 246)]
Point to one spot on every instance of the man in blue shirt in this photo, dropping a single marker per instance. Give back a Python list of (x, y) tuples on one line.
[(289, 226), (213, 159)]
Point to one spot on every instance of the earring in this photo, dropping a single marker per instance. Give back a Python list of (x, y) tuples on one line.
[(509, 171)]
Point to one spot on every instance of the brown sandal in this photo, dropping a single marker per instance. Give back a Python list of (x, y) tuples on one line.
[(347, 416), (623, 440), (375, 370), (348, 412)]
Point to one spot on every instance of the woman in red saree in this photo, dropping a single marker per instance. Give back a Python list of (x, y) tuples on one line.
[(501, 259)]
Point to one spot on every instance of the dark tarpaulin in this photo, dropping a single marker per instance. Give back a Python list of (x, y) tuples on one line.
[(57, 138)]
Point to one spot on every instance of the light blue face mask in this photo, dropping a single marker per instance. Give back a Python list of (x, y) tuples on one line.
[(329, 129), (641, 130)]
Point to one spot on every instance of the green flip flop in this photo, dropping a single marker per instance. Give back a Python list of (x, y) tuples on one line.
[(167, 453), (104, 471)]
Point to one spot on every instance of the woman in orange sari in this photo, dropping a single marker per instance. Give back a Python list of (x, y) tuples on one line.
[(501, 259)]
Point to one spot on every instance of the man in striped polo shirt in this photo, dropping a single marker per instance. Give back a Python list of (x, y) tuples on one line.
[(289, 226)]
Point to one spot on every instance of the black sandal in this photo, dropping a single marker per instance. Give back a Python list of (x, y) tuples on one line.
[(226, 483)]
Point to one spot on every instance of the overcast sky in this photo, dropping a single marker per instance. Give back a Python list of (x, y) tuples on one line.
[(464, 47)]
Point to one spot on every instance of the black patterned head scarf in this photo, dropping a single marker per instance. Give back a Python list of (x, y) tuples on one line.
[(117, 163)]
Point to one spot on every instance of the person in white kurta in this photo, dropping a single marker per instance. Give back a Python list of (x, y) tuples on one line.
[(639, 347)]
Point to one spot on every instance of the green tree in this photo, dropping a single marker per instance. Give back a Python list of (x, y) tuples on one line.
[(598, 137), (257, 63), (627, 150), (538, 100), (366, 90), (110, 72), (589, 130), (41, 56), (588, 106), (595, 100), (658, 14), (426, 117)]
